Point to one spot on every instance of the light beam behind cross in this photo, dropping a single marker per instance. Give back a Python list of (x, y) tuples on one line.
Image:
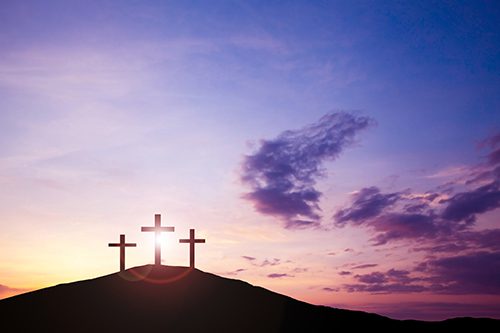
[(122, 246), (158, 229), (191, 242)]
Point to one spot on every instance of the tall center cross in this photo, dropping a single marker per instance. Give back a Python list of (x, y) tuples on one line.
[(192, 241), (122, 245), (158, 229)]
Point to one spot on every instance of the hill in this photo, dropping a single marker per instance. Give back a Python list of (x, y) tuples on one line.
[(176, 299)]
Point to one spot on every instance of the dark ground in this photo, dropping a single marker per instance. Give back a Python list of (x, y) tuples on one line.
[(177, 299)]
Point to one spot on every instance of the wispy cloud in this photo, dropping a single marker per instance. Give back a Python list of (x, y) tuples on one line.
[(363, 266), (283, 172), (235, 272), (278, 275), (263, 263)]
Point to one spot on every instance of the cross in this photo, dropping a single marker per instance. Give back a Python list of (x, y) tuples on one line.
[(191, 242), (122, 246), (158, 229)]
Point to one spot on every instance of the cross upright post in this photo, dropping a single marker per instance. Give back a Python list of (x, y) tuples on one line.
[(157, 229), (192, 241), (122, 245)]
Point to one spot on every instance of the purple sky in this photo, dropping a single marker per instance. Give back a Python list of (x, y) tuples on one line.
[(342, 153)]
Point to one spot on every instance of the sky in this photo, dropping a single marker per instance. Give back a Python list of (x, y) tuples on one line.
[(344, 153)]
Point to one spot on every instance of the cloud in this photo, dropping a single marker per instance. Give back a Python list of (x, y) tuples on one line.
[(403, 226), (475, 273), (235, 272), (272, 262), (331, 289), (375, 277), (283, 172), (439, 216), (487, 239), (400, 218), (392, 216), (344, 273), (300, 270), (460, 258), (278, 275), (390, 288), (466, 205), (365, 266), (265, 262), (472, 273), (392, 281), (367, 203), (391, 222)]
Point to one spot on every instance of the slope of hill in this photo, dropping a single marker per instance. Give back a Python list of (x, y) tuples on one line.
[(177, 299)]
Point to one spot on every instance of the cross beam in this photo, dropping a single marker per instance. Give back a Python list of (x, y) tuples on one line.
[(157, 229), (122, 245), (192, 241)]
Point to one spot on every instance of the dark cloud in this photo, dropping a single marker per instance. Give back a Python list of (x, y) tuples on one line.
[(374, 277), (391, 222), (365, 266), (484, 239), (344, 273), (278, 275), (396, 226), (392, 281), (370, 207), (331, 289), (466, 205), (384, 288), (461, 259), (488, 239), (248, 258), (447, 247), (440, 220), (473, 273), (283, 171), (366, 204)]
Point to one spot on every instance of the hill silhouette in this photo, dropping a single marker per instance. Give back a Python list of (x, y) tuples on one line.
[(177, 299)]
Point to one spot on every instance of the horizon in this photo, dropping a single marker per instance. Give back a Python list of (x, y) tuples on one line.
[(343, 154)]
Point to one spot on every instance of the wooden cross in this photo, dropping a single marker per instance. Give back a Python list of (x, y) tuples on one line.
[(122, 245), (191, 242), (158, 229)]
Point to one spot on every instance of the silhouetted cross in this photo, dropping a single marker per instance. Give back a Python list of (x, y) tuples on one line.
[(158, 229), (122, 246), (191, 242)]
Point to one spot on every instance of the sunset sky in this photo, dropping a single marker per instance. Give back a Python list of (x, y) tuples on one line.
[(344, 153)]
